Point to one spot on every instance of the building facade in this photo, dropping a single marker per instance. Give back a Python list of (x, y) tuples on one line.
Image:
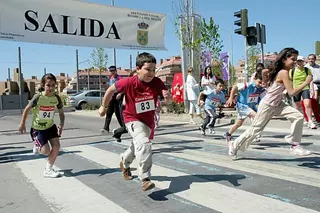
[(167, 68), (89, 79)]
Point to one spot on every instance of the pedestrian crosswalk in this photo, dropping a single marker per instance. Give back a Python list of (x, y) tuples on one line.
[(192, 174)]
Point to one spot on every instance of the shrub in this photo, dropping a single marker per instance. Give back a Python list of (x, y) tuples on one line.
[(89, 107), (175, 108)]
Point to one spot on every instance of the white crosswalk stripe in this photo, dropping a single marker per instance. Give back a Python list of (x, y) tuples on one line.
[(67, 194)]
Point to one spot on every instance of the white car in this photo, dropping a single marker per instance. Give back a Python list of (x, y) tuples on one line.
[(92, 97)]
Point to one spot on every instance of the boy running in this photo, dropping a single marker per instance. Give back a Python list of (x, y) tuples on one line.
[(141, 94), (249, 97), (214, 97)]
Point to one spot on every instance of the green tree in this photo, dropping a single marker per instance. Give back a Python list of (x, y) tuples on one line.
[(211, 39), (253, 56), (99, 58), (233, 77)]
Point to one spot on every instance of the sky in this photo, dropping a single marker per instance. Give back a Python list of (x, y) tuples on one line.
[(288, 23)]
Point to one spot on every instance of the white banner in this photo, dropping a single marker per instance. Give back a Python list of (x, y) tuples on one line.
[(78, 23)]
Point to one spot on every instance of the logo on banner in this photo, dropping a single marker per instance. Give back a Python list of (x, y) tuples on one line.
[(142, 34)]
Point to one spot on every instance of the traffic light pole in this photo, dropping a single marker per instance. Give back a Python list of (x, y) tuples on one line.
[(262, 54), (246, 60)]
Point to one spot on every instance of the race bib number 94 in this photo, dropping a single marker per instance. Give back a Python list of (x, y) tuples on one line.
[(46, 112), (253, 98), (145, 106)]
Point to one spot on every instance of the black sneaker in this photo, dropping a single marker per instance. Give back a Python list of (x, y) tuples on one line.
[(227, 137), (203, 131), (118, 139)]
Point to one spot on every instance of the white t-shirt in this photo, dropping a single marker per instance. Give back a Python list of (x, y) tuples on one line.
[(205, 81), (315, 70), (315, 87), (192, 88)]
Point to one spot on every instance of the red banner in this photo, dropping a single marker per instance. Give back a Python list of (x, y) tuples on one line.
[(177, 88)]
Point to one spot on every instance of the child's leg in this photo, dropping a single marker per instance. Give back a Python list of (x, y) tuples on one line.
[(304, 111), (142, 151), (207, 120), (55, 148), (236, 126), (244, 111), (315, 109), (213, 118), (265, 113)]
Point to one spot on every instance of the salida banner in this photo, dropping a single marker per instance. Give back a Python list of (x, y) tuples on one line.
[(78, 23)]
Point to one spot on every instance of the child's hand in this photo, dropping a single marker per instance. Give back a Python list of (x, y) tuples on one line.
[(60, 130), (22, 128), (229, 102), (165, 94)]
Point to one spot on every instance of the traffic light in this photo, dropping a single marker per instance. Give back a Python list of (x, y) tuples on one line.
[(242, 22), (317, 47), (252, 36)]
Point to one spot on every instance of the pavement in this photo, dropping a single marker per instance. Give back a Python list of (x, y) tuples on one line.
[(192, 172)]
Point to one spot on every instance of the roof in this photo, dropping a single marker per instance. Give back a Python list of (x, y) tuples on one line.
[(122, 72), (175, 60)]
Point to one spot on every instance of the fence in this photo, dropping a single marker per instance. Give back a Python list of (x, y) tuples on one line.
[(12, 102)]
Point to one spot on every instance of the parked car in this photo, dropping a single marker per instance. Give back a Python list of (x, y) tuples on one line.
[(92, 97)]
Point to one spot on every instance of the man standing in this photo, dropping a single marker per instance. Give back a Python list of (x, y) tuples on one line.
[(315, 70), (114, 105)]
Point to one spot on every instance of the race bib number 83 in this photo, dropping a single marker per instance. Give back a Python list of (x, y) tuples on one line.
[(145, 106), (46, 112)]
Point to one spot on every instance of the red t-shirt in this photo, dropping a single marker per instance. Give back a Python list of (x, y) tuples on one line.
[(141, 98)]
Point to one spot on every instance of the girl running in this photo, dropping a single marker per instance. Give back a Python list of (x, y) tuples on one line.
[(272, 104), (43, 130)]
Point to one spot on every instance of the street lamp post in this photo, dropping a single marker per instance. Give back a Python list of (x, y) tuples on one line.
[(77, 65)]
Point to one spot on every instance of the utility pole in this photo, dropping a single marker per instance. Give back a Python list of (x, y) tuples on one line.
[(45, 71), (9, 79), (114, 50), (77, 69), (21, 83), (130, 62)]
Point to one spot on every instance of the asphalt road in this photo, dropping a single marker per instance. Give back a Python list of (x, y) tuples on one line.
[(192, 173)]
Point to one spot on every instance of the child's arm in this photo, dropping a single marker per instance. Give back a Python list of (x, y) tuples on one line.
[(33, 102), (199, 98), (22, 126), (232, 95), (284, 76)]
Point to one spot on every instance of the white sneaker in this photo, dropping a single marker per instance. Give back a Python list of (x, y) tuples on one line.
[(192, 121), (51, 173), (298, 150), (232, 151), (211, 131), (35, 150), (256, 140), (104, 131), (311, 125)]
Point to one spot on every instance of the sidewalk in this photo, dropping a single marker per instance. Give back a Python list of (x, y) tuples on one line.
[(18, 111)]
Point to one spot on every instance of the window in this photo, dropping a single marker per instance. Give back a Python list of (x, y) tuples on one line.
[(93, 94)]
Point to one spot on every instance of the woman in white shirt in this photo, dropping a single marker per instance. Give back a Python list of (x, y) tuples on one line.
[(192, 95), (208, 79)]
